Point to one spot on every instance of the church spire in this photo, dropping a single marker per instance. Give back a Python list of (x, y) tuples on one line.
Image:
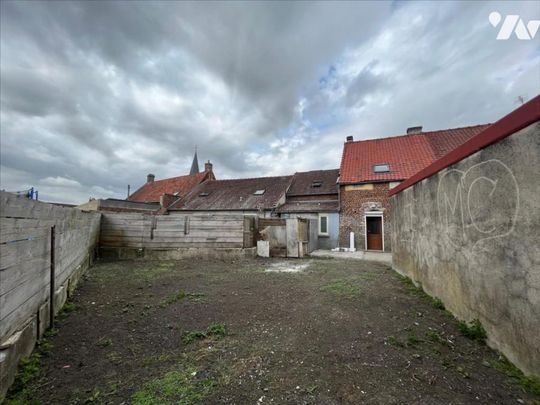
[(195, 164)]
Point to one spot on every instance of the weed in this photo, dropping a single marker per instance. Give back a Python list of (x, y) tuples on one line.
[(216, 330), (435, 337), (180, 387), (180, 296), (342, 288), (94, 396), (437, 303), (50, 333), (393, 341), (530, 384), (104, 342), (473, 330), (69, 307), (413, 341)]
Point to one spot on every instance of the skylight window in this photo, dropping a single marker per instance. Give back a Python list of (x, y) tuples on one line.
[(259, 192), (316, 183), (381, 168), (204, 194)]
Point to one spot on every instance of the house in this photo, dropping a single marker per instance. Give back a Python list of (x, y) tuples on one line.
[(371, 168), (180, 186), (314, 195), (256, 196)]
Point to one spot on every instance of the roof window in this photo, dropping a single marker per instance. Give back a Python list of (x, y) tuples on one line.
[(205, 194), (316, 183), (259, 192), (381, 168)]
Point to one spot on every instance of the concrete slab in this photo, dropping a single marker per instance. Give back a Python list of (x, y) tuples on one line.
[(358, 255)]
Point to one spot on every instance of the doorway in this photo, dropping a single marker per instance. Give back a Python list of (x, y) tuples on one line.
[(374, 232)]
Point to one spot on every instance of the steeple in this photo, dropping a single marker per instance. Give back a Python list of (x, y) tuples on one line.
[(195, 164)]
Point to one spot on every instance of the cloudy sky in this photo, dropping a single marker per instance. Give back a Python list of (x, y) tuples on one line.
[(95, 95)]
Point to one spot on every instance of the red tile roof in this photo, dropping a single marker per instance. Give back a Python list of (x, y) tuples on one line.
[(150, 192), (405, 154), (518, 119), (302, 183), (236, 194)]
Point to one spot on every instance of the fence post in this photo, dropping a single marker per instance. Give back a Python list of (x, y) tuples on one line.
[(51, 299)]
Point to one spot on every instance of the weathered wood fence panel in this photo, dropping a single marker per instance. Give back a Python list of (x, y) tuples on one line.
[(25, 269), (178, 230)]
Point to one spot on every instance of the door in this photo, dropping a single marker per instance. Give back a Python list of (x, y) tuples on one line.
[(374, 234)]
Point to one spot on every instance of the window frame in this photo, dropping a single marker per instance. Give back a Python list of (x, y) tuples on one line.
[(327, 233), (381, 165)]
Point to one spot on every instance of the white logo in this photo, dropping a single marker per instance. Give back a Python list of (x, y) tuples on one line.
[(513, 23)]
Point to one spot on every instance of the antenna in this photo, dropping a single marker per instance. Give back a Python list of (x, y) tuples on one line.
[(128, 191)]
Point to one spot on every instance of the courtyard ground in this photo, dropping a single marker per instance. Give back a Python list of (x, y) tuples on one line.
[(314, 331)]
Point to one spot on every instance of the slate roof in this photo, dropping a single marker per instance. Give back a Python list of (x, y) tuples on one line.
[(150, 192), (302, 183), (406, 154), (236, 194), (310, 206)]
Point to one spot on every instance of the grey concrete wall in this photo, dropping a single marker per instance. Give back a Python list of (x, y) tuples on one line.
[(470, 235)]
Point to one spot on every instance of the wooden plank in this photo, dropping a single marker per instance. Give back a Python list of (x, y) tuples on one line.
[(18, 252), (13, 276)]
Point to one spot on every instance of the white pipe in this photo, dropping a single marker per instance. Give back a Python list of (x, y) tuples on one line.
[(351, 243)]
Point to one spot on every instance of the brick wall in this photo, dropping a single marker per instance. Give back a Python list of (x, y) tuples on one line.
[(354, 204)]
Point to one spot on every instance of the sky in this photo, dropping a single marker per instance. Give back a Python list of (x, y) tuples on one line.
[(96, 95)]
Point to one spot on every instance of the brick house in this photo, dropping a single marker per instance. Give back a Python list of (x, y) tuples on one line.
[(371, 168), (314, 195)]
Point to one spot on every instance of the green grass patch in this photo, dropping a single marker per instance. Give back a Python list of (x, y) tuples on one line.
[(435, 337), (413, 341), (473, 330), (28, 370), (437, 303), (216, 330), (181, 296), (393, 341), (182, 386), (528, 384), (342, 288), (68, 308), (104, 342)]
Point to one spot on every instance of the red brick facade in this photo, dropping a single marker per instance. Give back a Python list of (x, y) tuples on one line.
[(355, 204)]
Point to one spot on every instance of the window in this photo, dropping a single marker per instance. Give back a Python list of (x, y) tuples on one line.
[(323, 224), (259, 192), (316, 183), (381, 168), (204, 194)]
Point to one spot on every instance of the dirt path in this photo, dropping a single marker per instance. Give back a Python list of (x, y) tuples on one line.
[(335, 332)]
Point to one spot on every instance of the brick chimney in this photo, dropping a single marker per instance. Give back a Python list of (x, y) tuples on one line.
[(350, 138), (208, 166), (150, 178), (414, 130)]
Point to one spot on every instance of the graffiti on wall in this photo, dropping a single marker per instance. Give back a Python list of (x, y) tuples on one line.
[(466, 202)]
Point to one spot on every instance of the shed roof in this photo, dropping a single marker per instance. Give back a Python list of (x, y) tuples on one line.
[(304, 183), (236, 194), (405, 154)]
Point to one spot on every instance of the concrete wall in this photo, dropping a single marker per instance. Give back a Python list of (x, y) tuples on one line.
[(323, 242), (470, 235), (355, 201), (25, 270)]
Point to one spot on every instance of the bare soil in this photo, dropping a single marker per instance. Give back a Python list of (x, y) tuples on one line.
[(336, 332)]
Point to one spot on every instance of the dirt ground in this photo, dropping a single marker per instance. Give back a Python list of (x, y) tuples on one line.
[(230, 332)]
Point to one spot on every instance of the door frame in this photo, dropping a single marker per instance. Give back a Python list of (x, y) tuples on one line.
[(373, 214)]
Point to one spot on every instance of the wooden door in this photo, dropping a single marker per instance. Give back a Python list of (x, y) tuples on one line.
[(374, 233)]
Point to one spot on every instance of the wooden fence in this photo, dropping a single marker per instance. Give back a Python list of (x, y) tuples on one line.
[(25, 264), (177, 230)]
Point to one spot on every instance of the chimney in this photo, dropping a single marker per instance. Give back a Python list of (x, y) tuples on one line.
[(208, 166), (414, 130), (350, 138), (150, 178)]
